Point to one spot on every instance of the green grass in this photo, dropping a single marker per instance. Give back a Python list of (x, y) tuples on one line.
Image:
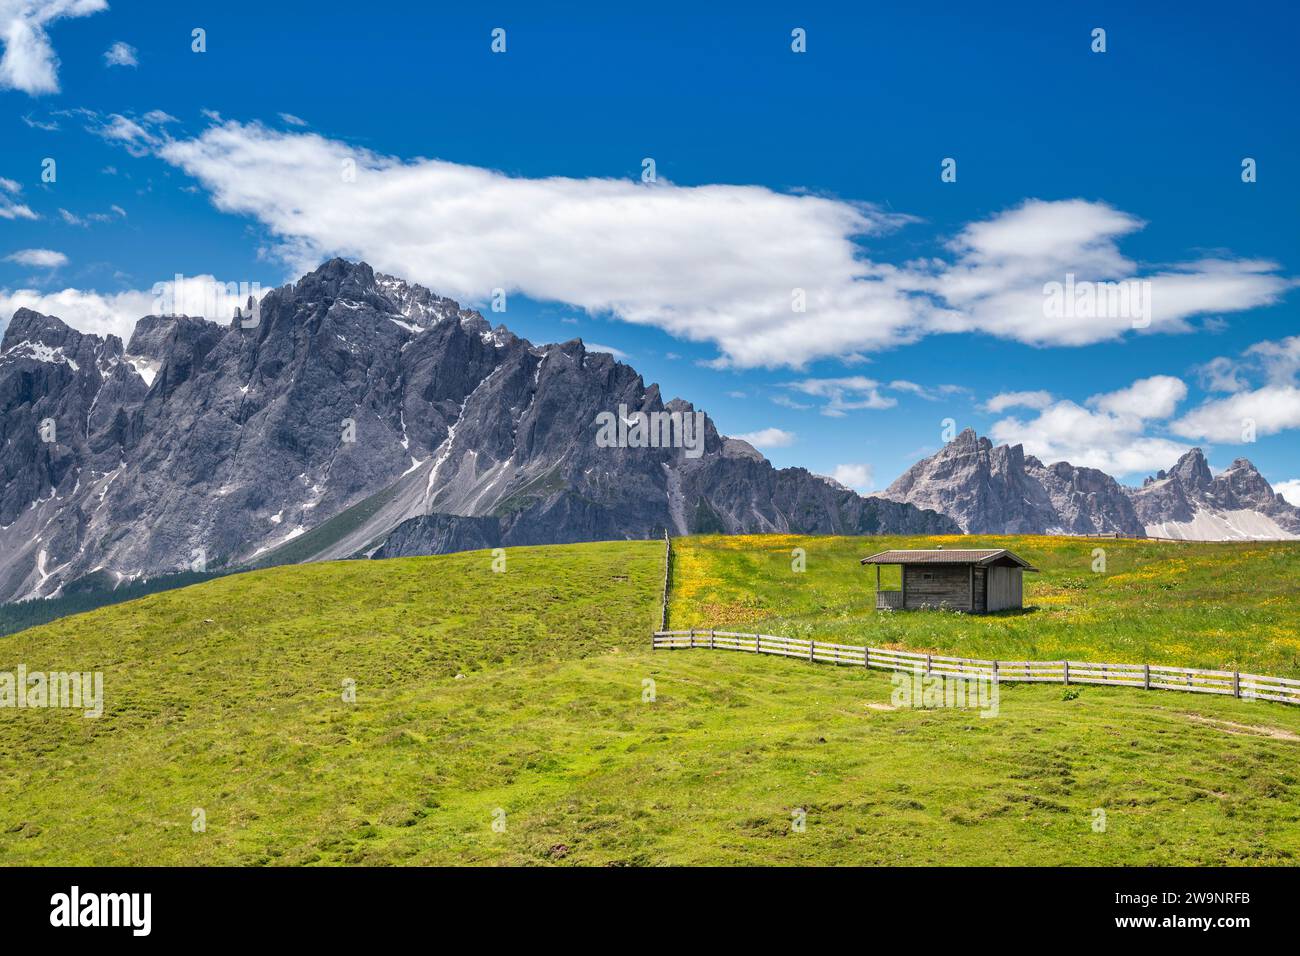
[(92, 591), (1218, 606), (226, 696)]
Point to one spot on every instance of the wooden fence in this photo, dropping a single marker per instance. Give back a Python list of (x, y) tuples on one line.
[(1117, 536), (1141, 676)]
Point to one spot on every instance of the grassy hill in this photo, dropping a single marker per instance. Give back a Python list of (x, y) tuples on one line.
[(517, 698), (1218, 606)]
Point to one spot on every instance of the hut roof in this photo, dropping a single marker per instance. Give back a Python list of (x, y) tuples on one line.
[(984, 557)]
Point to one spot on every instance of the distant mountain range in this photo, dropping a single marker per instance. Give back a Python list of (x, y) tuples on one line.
[(360, 416), (990, 489)]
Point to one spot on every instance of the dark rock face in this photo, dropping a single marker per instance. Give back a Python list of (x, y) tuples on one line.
[(64, 398), (1192, 471), (441, 534), (1000, 490), (355, 403)]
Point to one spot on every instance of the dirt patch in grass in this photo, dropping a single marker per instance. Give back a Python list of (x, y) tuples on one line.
[(1244, 730)]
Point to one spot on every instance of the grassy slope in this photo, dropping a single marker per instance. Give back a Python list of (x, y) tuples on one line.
[(1195, 605), (243, 717)]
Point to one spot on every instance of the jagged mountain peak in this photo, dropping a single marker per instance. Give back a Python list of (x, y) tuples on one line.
[(357, 284), (356, 404), (969, 440), (998, 489), (992, 489), (1192, 469), (47, 339), (1189, 501), (1242, 465), (153, 334), (337, 276), (28, 325)]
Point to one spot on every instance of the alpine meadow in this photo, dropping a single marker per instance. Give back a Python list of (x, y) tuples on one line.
[(461, 465)]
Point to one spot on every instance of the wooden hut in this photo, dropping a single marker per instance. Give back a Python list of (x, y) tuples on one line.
[(967, 579)]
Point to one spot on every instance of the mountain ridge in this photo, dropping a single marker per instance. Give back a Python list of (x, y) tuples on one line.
[(354, 402), (999, 489)]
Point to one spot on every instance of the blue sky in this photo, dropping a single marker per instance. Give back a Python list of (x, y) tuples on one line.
[(1114, 166)]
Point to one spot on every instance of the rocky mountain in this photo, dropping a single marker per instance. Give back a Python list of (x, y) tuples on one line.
[(358, 415), (1190, 502), (991, 489)]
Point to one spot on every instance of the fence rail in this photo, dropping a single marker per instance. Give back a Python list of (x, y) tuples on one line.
[(1143, 676)]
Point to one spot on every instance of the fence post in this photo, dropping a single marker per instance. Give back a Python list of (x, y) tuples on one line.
[(1236, 683), (1067, 671), (1146, 676), (668, 563), (927, 665), (812, 648), (710, 638), (692, 639), (758, 643), (995, 672), (866, 656)]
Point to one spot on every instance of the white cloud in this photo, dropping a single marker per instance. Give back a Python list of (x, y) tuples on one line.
[(1221, 374), (1290, 490), (846, 394), (38, 258), (10, 208), (997, 284), (15, 210), (139, 136), (927, 392), (293, 120), (1003, 400), (1110, 434), (121, 54), (1155, 397), (635, 252), (855, 392), (785, 401), (1271, 409), (87, 311), (602, 245), (617, 353), (1279, 360), (72, 219), (29, 62), (116, 313), (768, 438), (48, 126), (857, 477)]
